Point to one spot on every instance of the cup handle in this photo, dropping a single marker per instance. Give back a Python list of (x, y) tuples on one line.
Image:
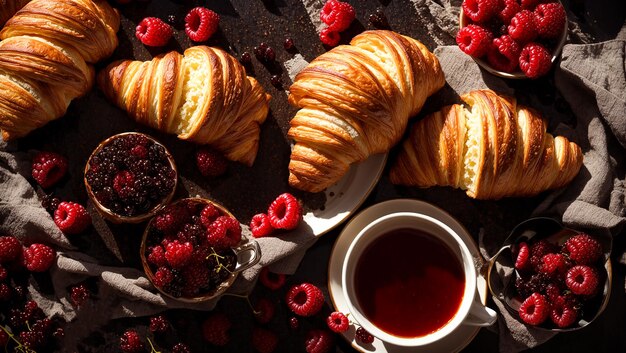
[(252, 247), (480, 315)]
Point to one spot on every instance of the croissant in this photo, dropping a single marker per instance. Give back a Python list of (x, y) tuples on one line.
[(203, 96), (493, 148), (356, 100), (44, 54)]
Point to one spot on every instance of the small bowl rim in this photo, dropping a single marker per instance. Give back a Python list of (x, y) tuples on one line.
[(517, 75), (108, 213)]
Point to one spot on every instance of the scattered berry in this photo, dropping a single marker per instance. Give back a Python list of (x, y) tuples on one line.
[(259, 52), (337, 322), (474, 40), (10, 249), (511, 7), (264, 340), (522, 27), (523, 257), (269, 55), (215, 329), (288, 44), (480, 10), (583, 249), (363, 336), (178, 254), (271, 280), (38, 257), (294, 323), (582, 280), (534, 60), (153, 32), (550, 19), (79, 294), (504, 56), (329, 37), (201, 23), (535, 309), (285, 212), (260, 225), (210, 163), (305, 299), (48, 168), (563, 314), (50, 203), (378, 19), (264, 310), (159, 324), (318, 341), (71, 217), (276, 81), (246, 58)]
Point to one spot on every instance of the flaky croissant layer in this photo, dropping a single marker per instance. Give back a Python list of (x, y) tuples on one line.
[(493, 148), (355, 101)]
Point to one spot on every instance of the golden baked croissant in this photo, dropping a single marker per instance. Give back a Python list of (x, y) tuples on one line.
[(203, 96), (356, 100), (44, 53), (493, 148)]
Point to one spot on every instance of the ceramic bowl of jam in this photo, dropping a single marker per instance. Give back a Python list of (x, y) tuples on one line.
[(129, 177)]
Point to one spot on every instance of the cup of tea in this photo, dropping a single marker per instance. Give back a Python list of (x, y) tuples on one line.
[(410, 280)]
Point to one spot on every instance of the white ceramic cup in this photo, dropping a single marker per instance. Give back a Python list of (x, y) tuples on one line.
[(470, 312)]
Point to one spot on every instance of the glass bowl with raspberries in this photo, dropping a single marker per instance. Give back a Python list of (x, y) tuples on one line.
[(129, 177), (552, 277), (514, 39), (193, 250)]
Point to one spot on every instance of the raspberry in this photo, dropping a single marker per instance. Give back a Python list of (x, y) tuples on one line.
[(534, 60), (535, 309), (71, 217), (550, 19), (139, 151), (210, 163), (511, 7), (79, 295), (153, 32), (38, 257), (344, 15), (163, 277), (215, 329), (181, 348), (337, 322), (563, 314), (294, 323), (329, 37), (480, 10), (216, 235), (264, 340), (178, 254), (172, 218), (363, 336), (327, 15), (208, 214), (285, 212), (123, 183), (48, 168), (272, 280), (130, 342), (583, 249), (159, 324), (529, 4), (522, 27), (305, 299), (504, 56), (318, 341), (582, 280), (201, 23), (522, 261), (264, 311), (10, 249), (260, 225), (538, 250), (553, 264), (157, 256), (233, 230), (474, 40)]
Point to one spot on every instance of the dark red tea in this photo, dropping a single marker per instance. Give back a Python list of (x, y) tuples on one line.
[(409, 283)]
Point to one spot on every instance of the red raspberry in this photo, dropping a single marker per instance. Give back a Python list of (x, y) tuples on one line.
[(172, 218), (343, 17), (208, 214), (139, 151), (210, 163), (504, 54), (305, 299), (157, 256), (71, 217), (538, 250), (163, 277), (480, 10), (215, 329), (38, 257), (264, 340), (474, 40), (329, 37), (522, 261), (216, 235), (582, 280), (233, 230), (319, 341), (363, 336), (201, 23), (285, 212), (337, 322), (48, 168), (535, 309), (522, 27), (264, 310), (178, 254), (563, 314), (271, 280), (583, 249), (79, 294), (511, 7), (153, 32), (130, 342), (123, 183), (10, 249), (550, 19), (260, 225), (529, 4), (327, 15), (553, 264), (534, 60), (159, 324)]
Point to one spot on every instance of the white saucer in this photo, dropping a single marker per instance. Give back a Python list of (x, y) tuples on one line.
[(345, 197), (459, 338)]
